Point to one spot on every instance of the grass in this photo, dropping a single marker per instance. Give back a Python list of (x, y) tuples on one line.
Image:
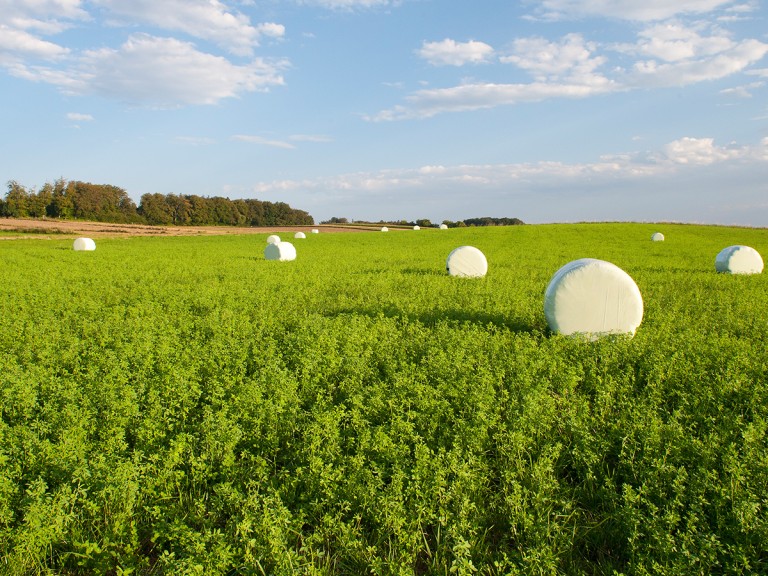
[(182, 406)]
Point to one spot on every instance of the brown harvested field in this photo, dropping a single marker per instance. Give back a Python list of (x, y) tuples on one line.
[(25, 228)]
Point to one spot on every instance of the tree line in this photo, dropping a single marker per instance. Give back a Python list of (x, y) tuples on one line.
[(107, 203), (426, 223)]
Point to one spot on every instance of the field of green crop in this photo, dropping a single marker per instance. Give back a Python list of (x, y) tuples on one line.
[(183, 406)]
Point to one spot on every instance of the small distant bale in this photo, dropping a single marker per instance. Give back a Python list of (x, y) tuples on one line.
[(81, 244), (657, 237), (739, 260), (466, 262), (417, 227), (282, 251), (273, 239), (443, 226), (299, 235), (384, 229), (593, 298), (315, 231)]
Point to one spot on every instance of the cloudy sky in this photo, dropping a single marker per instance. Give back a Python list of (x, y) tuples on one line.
[(544, 110)]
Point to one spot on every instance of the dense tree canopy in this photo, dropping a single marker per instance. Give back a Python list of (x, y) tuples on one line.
[(107, 203)]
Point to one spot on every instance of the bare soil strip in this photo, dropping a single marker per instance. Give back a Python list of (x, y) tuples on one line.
[(13, 228)]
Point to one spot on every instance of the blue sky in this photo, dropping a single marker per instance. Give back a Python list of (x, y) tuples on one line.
[(544, 110)]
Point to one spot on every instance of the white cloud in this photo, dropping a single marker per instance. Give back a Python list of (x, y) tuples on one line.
[(673, 42), (263, 141), (427, 103), (349, 4), (638, 10), (451, 53), (572, 57), (19, 43), (736, 58), (206, 19), (160, 72), (78, 117), (742, 91), (702, 152), (543, 191)]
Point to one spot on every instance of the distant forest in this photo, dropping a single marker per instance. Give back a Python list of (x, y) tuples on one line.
[(75, 200), (424, 223)]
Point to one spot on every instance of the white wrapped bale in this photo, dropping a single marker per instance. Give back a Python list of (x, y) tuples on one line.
[(466, 262), (384, 229), (81, 244), (281, 251), (592, 297), (657, 237), (299, 235), (417, 227), (443, 226), (273, 239), (739, 260), (315, 231)]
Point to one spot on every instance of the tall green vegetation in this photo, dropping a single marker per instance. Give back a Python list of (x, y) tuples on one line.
[(107, 203), (182, 406)]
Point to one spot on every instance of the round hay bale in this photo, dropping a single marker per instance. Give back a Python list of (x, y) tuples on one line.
[(299, 235), (273, 239), (466, 262), (592, 297), (282, 251), (315, 231), (657, 237), (417, 227), (739, 260), (384, 229), (443, 226), (84, 244)]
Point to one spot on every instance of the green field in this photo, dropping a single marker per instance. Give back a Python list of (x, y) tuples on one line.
[(183, 406)]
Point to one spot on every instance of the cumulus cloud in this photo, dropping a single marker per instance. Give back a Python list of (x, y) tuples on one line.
[(637, 10), (571, 57), (159, 72), (205, 19), (524, 185), (20, 43), (451, 53), (665, 55)]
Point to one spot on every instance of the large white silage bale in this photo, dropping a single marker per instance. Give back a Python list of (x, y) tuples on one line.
[(84, 244), (281, 251), (657, 237), (299, 235), (417, 227), (443, 226), (273, 239), (594, 298), (739, 260), (384, 229), (315, 231), (466, 262)]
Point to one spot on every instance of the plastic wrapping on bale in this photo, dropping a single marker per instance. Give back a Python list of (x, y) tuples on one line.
[(466, 262), (443, 226), (299, 235), (281, 251), (657, 237), (593, 298), (315, 231), (417, 227), (273, 239), (384, 229), (82, 244), (739, 260)]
